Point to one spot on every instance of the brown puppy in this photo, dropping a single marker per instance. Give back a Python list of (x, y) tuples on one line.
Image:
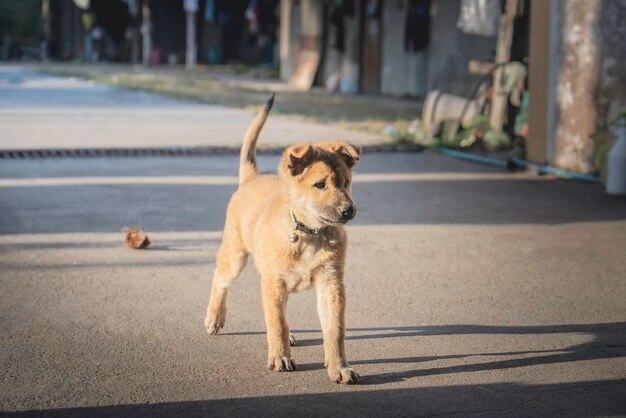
[(293, 226)]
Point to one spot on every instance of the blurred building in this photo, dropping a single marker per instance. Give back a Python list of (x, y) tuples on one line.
[(574, 50), (397, 47), (227, 31)]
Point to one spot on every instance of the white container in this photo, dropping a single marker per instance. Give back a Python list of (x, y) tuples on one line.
[(616, 170)]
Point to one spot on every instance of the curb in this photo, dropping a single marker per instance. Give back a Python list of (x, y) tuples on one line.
[(30, 154)]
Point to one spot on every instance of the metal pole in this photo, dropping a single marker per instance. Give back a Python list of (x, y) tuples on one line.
[(46, 29), (146, 32), (190, 54)]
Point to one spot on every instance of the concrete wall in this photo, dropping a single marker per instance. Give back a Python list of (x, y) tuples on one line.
[(290, 37), (451, 50), (342, 67), (611, 88), (403, 73), (300, 29), (443, 66)]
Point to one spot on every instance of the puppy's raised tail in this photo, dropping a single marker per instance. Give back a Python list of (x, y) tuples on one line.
[(247, 162)]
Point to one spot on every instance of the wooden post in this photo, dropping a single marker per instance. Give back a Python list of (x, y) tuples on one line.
[(286, 69), (146, 33), (503, 55), (133, 11), (541, 81), (46, 29)]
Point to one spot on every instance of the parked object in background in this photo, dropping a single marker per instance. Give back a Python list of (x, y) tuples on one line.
[(440, 108), (616, 171)]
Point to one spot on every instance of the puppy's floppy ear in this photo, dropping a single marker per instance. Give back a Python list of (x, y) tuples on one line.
[(298, 157), (346, 151), (350, 154)]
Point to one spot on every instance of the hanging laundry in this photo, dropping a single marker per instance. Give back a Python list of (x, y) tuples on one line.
[(336, 18), (417, 28), (252, 15), (480, 17)]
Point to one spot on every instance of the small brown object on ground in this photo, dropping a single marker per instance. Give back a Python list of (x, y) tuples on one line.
[(135, 239)]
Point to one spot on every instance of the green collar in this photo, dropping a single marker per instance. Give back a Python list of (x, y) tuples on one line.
[(299, 226)]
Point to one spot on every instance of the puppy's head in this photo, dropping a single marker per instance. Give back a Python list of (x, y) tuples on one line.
[(318, 178)]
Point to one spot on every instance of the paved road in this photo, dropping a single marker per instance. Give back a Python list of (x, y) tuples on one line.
[(38, 111), (470, 291)]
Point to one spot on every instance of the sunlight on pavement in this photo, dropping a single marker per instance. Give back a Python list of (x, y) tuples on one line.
[(226, 180)]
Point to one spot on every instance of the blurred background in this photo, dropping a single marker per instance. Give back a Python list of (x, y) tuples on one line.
[(554, 94), (541, 79)]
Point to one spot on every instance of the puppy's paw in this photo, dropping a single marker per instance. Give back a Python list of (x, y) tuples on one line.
[(281, 364), (292, 340), (214, 323), (343, 375)]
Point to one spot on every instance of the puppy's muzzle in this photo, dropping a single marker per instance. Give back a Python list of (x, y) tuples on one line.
[(348, 213)]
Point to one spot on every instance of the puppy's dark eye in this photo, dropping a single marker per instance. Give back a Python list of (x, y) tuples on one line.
[(345, 183), (320, 185)]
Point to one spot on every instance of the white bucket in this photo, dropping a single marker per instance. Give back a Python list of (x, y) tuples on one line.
[(616, 170)]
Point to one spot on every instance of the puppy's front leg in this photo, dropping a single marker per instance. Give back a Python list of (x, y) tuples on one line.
[(274, 307), (331, 308)]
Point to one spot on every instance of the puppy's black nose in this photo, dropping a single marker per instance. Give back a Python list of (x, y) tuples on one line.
[(348, 213)]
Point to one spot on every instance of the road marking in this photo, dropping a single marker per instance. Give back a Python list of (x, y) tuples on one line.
[(232, 180)]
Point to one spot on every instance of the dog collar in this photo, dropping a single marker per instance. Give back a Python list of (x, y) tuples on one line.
[(299, 226)]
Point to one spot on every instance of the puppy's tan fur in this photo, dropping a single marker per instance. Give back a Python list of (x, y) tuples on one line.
[(258, 222)]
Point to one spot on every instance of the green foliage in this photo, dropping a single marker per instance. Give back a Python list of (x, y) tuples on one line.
[(620, 120), (603, 142), (401, 132), (496, 140), (20, 18), (474, 130)]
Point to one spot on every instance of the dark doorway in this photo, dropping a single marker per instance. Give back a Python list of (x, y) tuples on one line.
[(371, 43)]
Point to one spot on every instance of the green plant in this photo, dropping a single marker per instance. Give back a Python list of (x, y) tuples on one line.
[(620, 121), (496, 140), (603, 142), (474, 130)]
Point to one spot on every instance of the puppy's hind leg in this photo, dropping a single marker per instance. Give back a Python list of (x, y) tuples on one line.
[(231, 259)]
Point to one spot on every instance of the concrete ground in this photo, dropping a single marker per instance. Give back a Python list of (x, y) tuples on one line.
[(471, 291), (39, 111), (219, 85)]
